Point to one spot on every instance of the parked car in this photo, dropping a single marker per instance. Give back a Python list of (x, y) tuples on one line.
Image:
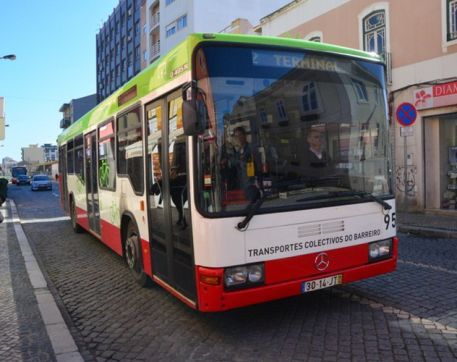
[(23, 180), (41, 182)]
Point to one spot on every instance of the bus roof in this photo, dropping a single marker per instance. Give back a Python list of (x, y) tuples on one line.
[(177, 62)]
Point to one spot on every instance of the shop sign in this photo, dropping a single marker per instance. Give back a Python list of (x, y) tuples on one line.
[(439, 95)]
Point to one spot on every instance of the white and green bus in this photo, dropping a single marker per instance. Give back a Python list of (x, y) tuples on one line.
[(202, 171)]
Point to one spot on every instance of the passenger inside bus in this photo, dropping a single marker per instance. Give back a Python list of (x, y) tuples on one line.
[(318, 165), (240, 164), (317, 159)]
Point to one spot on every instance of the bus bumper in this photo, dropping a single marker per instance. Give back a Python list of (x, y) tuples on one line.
[(213, 298)]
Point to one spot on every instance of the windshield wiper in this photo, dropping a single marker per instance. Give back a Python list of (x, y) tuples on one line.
[(362, 194), (254, 207)]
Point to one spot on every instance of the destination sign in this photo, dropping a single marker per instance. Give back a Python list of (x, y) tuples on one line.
[(266, 58)]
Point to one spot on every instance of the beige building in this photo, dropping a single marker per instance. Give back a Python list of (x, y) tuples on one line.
[(33, 154), (418, 39), (239, 26)]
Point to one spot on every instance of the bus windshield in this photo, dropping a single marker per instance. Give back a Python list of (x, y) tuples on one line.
[(18, 170), (296, 129)]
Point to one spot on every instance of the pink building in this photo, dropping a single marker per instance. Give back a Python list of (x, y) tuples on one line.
[(418, 39)]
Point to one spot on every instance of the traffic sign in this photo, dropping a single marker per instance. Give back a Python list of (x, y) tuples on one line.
[(406, 114)]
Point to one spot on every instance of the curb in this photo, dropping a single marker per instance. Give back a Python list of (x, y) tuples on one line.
[(63, 344), (428, 232)]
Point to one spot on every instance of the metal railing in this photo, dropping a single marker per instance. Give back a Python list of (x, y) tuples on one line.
[(155, 50)]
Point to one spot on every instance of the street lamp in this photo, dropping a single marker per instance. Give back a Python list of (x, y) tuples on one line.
[(9, 57)]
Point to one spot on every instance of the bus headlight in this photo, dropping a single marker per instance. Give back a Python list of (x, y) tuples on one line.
[(235, 276), (379, 249), (255, 273), (243, 275)]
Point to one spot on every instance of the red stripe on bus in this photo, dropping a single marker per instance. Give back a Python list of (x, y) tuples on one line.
[(304, 266), (81, 218), (147, 266), (215, 298), (111, 236)]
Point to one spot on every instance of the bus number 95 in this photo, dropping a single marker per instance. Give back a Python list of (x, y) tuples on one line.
[(389, 220)]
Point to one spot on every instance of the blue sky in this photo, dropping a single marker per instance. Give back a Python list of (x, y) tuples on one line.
[(54, 42)]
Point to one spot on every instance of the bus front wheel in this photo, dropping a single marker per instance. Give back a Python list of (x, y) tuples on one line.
[(76, 227), (132, 252)]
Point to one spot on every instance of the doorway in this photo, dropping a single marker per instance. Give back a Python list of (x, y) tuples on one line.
[(168, 202)]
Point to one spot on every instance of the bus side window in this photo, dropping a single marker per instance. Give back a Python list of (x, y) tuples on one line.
[(154, 140), (178, 178), (156, 167)]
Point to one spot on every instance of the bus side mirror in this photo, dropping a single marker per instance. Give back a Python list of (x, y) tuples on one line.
[(193, 110), (190, 119)]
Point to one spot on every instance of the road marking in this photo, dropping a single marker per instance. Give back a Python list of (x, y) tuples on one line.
[(61, 339), (56, 195), (428, 266), (51, 219)]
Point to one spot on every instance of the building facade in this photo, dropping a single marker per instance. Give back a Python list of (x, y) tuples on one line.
[(76, 108), (50, 152), (33, 154), (239, 26), (418, 40), (7, 163), (140, 31), (119, 47)]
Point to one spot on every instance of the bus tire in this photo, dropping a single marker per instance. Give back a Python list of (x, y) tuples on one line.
[(133, 257), (75, 226)]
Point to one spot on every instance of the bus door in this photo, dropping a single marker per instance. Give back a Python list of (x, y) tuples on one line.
[(93, 208), (169, 212)]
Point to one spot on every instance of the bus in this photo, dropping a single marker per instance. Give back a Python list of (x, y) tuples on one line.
[(196, 172), (17, 171)]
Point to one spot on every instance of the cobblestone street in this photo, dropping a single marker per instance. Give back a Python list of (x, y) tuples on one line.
[(408, 315)]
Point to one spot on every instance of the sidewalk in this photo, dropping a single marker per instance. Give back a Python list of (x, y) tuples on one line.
[(427, 224), (23, 336), (32, 328)]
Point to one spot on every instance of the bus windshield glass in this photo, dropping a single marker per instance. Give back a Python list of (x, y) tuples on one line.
[(18, 170), (294, 129)]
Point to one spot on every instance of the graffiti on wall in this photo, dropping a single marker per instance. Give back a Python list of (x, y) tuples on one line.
[(406, 183)]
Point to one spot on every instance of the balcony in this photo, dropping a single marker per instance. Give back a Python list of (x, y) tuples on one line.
[(155, 50), (65, 123), (155, 20)]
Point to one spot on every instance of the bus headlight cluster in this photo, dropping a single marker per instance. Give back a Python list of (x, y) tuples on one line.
[(380, 249), (244, 275)]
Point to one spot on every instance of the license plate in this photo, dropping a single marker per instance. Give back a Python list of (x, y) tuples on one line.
[(321, 283)]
